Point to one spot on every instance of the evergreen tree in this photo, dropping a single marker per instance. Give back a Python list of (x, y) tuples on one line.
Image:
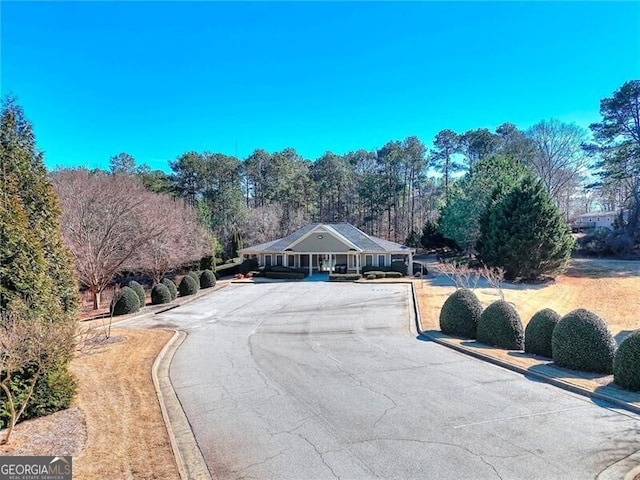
[(524, 233), (36, 276)]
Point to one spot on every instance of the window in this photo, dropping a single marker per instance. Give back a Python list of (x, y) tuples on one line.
[(291, 261), (368, 260), (381, 260), (267, 260), (279, 260), (352, 261)]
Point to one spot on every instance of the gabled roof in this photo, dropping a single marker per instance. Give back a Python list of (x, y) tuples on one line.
[(360, 240)]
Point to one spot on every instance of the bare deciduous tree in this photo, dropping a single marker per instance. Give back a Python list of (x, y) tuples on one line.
[(559, 158), (182, 239), (104, 223)]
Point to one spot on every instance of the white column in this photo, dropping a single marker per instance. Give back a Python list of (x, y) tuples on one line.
[(310, 264), (410, 269)]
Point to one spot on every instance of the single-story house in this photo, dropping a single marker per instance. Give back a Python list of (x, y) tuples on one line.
[(321, 247), (595, 220)]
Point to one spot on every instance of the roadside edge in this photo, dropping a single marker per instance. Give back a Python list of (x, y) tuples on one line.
[(189, 459)]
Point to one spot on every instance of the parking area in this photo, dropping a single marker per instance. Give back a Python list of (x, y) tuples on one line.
[(321, 380)]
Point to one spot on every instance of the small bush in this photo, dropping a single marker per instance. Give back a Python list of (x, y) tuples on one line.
[(208, 262), (125, 302), (537, 335), (626, 364), (400, 267), (160, 294), (594, 242), (370, 276), (393, 275), (195, 275), (167, 282), (374, 269), (188, 286), (582, 341), (344, 277), (207, 279), (376, 273), (460, 314), (139, 289), (500, 326), (619, 243), (284, 275), (248, 265)]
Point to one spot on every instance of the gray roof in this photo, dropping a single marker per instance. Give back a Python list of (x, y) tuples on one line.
[(348, 231)]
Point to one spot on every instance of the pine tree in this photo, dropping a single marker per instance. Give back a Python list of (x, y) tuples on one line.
[(38, 292), (523, 232)]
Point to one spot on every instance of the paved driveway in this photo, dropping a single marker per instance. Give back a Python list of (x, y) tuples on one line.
[(323, 381)]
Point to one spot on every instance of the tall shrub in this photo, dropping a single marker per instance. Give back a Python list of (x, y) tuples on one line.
[(582, 341), (524, 233), (460, 314), (37, 282)]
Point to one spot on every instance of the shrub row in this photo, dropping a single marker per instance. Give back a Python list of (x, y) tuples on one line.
[(132, 297), (579, 341), (344, 277), (284, 275)]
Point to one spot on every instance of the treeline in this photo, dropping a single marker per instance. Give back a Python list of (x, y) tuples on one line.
[(390, 192), (393, 191)]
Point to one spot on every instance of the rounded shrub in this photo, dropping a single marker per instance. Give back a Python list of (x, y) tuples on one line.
[(537, 335), (188, 286), (207, 279), (460, 313), (195, 275), (167, 282), (582, 341), (500, 326), (160, 294), (126, 301), (139, 289), (626, 364)]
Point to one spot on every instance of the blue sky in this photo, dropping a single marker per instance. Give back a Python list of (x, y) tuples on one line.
[(156, 79)]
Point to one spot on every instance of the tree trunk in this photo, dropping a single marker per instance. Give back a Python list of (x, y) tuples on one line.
[(96, 297)]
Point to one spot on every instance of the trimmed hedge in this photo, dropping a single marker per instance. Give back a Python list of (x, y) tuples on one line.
[(167, 282), (500, 326), (399, 267), (344, 277), (374, 273), (537, 335), (460, 314), (393, 275), (139, 289), (160, 294), (284, 275), (248, 265), (207, 279), (125, 302), (582, 341), (188, 286), (626, 364), (195, 275)]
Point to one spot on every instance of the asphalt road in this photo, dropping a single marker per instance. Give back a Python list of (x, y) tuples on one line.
[(324, 381)]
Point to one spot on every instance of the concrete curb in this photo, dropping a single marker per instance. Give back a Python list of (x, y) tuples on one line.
[(189, 459), (515, 368)]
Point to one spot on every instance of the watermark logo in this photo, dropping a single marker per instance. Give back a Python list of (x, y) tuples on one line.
[(35, 468)]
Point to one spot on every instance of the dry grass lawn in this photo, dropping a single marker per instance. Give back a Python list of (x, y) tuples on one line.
[(115, 428), (126, 434), (609, 288)]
